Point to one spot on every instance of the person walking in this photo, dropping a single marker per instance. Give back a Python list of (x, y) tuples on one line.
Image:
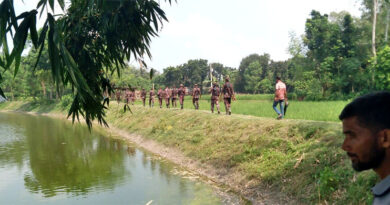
[(118, 95), (215, 93), (143, 96), (228, 95), (167, 96), (181, 93), (128, 94), (196, 94), (280, 97), (174, 96), (151, 97), (132, 96), (160, 96)]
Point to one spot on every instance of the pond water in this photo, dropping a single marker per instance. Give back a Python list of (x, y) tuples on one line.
[(49, 161)]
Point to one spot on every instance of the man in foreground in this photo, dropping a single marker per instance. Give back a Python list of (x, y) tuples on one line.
[(228, 95), (366, 126), (280, 97)]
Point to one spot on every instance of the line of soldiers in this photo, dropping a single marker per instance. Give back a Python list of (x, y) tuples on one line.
[(170, 96)]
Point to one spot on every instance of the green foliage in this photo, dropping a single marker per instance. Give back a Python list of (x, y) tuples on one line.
[(382, 69), (252, 77), (266, 86), (327, 182), (66, 101)]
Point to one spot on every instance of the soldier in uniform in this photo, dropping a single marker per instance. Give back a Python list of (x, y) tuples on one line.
[(151, 97), (160, 96), (128, 94), (174, 96), (118, 95), (182, 93), (195, 96), (167, 96), (228, 95), (215, 92), (133, 96), (143, 96)]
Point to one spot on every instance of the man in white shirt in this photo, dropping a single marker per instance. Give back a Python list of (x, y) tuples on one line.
[(280, 97)]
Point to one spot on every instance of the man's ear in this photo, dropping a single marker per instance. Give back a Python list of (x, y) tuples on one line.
[(384, 138)]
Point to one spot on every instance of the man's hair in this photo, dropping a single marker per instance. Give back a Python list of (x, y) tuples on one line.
[(372, 110), (277, 78)]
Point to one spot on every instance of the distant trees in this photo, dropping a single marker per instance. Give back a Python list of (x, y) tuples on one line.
[(193, 72)]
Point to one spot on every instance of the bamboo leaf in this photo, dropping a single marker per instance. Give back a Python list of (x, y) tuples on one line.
[(62, 4), (51, 3), (41, 42), (33, 30)]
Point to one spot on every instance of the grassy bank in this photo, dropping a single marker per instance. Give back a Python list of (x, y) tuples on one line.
[(302, 159)]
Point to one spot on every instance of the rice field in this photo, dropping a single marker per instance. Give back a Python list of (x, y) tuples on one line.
[(261, 106)]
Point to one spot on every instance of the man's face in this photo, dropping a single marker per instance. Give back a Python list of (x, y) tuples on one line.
[(361, 145)]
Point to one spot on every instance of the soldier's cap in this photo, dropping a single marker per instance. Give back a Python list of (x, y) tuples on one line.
[(196, 84), (181, 85)]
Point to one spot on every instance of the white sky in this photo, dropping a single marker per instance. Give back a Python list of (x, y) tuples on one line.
[(226, 31)]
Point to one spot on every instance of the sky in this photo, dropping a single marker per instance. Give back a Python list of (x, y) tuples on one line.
[(225, 31)]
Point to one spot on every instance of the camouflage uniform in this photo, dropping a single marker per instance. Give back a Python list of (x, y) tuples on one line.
[(174, 97), (167, 96), (228, 94), (215, 92), (132, 97), (182, 93), (151, 98), (143, 96), (118, 95), (160, 97), (195, 97), (128, 95)]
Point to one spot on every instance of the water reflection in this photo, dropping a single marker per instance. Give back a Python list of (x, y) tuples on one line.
[(65, 158), (61, 163)]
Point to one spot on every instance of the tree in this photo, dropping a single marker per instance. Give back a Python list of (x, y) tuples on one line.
[(263, 60), (92, 36), (265, 86), (382, 68), (252, 77), (374, 15)]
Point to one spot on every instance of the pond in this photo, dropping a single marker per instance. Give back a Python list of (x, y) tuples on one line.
[(51, 161)]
